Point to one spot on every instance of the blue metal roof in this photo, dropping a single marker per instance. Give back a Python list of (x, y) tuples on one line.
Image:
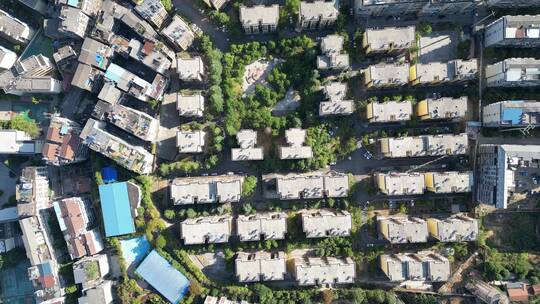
[(114, 72), (512, 115), (109, 174), (116, 209), (166, 279)]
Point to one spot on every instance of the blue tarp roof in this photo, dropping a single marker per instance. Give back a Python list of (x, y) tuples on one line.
[(109, 174), (513, 115), (166, 279), (116, 209)]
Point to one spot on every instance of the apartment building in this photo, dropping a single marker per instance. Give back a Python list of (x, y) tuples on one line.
[(247, 140), (423, 145), (389, 40), (191, 105), (259, 18), (206, 230), (422, 266), (73, 22), (389, 111), (317, 223), (190, 68), (192, 141), (152, 11), (82, 270), (206, 189), (402, 229), (380, 8), (7, 58), (33, 75), (335, 102), (62, 143), (333, 55), (511, 113), (179, 33), (325, 271), (449, 182), (385, 75), (457, 228), (14, 30), (260, 266), (442, 108), (95, 54), (515, 31), (434, 73), (318, 14), (311, 185), (513, 72), (295, 148), (395, 183), (89, 7), (262, 226), (131, 157), (506, 170)]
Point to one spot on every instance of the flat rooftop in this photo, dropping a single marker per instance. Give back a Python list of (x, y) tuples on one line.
[(389, 74), (389, 111), (390, 38)]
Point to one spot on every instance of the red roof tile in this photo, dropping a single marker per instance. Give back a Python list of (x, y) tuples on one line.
[(53, 134), (49, 151), (47, 281)]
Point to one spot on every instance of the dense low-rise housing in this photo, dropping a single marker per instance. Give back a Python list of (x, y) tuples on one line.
[(259, 18), (62, 143), (75, 221), (102, 293), (14, 30), (424, 145), (32, 75), (513, 72), (506, 171), (260, 266), (317, 223), (134, 158), (87, 78), (458, 228), (333, 55), (95, 53), (247, 139), (389, 39), (318, 14), (130, 120), (89, 271), (209, 229), (311, 185), (511, 113), (262, 226), (515, 31), (402, 229), (295, 149), (442, 108), (134, 85), (310, 271), (395, 183), (89, 7), (190, 68), (206, 189), (7, 58), (179, 33), (389, 111), (421, 266), (191, 141)]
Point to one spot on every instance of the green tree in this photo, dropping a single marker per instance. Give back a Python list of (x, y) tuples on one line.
[(169, 214), (161, 242), (249, 186), (22, 123), (167, 4)]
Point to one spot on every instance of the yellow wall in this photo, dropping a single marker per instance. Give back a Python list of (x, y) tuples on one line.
[(422, 109), (432, 227), (367, 78), (428, 180), (383, 229), (384, 264), (381, 183), (412, 74), (369, 110)]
